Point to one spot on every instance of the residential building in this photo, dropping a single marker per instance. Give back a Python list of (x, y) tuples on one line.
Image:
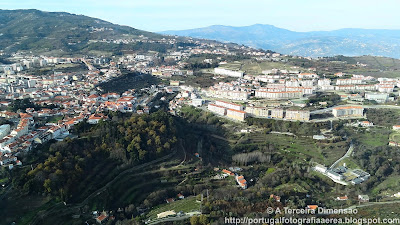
[(217, 109), (236, 114), (348, 111), (226, 72), (378, 97), (297, 115), (229, 105)]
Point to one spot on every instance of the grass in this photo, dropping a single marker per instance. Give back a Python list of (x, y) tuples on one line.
[(297, 147), (333, 151), (22, 209), (395, 136), (186, 205), (54, 119), (376, 137), (350, 163), (292, 187), (4, 180), (255, 68), (390, 185), (270, 170), (382, 211)]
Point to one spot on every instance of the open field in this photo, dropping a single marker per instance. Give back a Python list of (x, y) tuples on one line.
[(297, 147), (390, 186), (350, 163), (186, 205), (395, 136), (375, 137), (254, 67)]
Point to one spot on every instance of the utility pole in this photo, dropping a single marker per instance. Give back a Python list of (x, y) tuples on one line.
[(201, 203)]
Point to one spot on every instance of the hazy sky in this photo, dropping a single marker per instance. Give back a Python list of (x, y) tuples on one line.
[(297, 15)]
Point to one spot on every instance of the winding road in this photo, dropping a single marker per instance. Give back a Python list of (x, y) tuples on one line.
[(348, 154)]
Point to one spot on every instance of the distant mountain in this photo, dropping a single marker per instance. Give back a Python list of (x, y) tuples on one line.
[(350, 42), (36, 30)]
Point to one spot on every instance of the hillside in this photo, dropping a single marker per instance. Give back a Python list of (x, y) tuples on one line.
[(350, 42), (40, 31)]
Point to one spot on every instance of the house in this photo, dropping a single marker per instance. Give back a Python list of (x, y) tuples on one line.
[(312, 207), (169, 200), (396, 127), (366, 124), (95, 118), (342, 198), (181, 196), (392, 143), (276, 197), (241, 181), (363, 198), (227, 172), (102, 218)]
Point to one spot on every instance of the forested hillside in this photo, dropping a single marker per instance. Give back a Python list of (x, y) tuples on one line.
[(132, 141)]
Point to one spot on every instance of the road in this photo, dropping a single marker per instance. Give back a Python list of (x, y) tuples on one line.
[(8, 188), (372, 204), (348, 154), (319, 111)]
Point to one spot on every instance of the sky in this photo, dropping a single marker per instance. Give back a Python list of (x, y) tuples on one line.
[(162, 15)]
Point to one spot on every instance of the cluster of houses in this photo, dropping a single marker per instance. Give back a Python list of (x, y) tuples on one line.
[(25, 136), (293, 84), (241, 181)]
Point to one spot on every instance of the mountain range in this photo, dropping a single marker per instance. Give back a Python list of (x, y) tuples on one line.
[(35, 30), (349, 41)]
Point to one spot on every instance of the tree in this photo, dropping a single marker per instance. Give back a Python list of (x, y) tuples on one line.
[(194, 220), (203, 219)]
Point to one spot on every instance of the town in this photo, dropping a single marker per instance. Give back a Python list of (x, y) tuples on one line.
[(42, 99)]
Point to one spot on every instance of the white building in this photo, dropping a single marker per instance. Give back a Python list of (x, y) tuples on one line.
[(226, 72), (348, 111), (229, 105), (236, 114), (378, 97), (4, 130), (217, 109)]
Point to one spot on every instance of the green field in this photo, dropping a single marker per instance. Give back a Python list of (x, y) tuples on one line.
[(395, 136), (255, 68), (350, 163), (375, 137), (390, 185), (302, 148), (377, 66), (186, 205)]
